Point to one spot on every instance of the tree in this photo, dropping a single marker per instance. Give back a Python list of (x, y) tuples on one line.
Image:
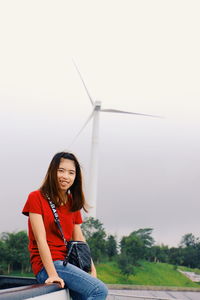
[(158, 253), (111, 246), (2, 257), (132, 248), (137, 244), (145, 235), (189, 240), (125, 266), (96, 237), (176, 256), (190, 247), (16, 254), (90, 226)]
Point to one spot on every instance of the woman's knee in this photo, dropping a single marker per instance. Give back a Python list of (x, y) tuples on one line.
[(100, 290), (81, 282), (104, 290)]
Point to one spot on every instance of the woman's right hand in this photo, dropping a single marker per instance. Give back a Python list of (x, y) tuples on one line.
[(56, 279)]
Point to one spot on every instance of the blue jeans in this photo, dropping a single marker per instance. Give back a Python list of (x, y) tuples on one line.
[(81, 285)]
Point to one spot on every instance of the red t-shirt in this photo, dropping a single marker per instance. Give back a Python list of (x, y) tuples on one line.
[(36, 203)]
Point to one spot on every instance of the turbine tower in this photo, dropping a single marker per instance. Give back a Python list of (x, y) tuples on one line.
[(93, 174)]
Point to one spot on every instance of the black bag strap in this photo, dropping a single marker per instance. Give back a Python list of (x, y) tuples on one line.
[(56, 218)]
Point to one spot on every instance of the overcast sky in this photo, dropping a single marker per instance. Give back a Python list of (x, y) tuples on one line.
[(141, 56)]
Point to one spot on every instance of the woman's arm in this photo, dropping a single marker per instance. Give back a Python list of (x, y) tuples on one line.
[(78, 236), (39, 232)]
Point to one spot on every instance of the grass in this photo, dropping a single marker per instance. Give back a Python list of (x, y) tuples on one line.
[(19, 274), (147, 274), (151, 274)]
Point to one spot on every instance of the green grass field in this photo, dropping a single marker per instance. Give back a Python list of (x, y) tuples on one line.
[(153, 274), (147, 274)]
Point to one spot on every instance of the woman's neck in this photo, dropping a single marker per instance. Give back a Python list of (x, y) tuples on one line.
[(64, 198)]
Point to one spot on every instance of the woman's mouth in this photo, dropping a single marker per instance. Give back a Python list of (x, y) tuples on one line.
[(64, 182)]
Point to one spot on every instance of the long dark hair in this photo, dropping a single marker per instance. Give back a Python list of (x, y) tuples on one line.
[(50, 185)]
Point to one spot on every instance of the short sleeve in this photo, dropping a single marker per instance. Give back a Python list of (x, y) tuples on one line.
[(77, 217), (33, 204)]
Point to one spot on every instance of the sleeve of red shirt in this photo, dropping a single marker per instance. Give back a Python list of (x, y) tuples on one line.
[(32, 204), (77, 217)]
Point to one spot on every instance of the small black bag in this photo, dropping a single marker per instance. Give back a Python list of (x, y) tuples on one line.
[(78, 252)]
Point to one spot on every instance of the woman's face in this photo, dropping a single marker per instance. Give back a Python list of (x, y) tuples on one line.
[(66, 174)]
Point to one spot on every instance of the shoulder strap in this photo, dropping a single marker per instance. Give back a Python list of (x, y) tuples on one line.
[(56, 217)]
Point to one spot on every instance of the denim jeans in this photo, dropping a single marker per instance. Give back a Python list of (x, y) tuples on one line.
[(81, 285)]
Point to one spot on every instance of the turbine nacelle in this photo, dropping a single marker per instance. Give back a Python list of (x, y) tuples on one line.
[(97, 105)]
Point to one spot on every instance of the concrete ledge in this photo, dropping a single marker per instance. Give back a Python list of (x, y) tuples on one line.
[(25, 288), (7, 282)]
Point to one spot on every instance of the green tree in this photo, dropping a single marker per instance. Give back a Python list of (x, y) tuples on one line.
[(95, 235), (125, 266), (137, 244), (111, 247), (132, 248), (176, 256), (16, 254), (190, 248), (189, 240), (158, 253), (2, 257)]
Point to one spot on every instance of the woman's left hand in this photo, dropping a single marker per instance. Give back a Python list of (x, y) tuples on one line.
[(93, 270), (93, 273)]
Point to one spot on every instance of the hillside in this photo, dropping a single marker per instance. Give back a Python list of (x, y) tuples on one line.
[(156, 274)]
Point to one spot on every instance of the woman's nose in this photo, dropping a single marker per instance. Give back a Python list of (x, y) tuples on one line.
[(66, 174)]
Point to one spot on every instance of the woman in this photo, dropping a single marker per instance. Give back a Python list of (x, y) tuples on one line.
[(63, 185)]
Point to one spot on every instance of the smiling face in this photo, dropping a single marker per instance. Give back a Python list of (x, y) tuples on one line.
[(66, 174)]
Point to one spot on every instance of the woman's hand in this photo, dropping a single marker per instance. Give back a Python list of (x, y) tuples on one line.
[(56, 279), (93, 270), (93, 273)]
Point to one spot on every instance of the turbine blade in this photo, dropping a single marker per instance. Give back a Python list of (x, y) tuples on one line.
[(84, 125), (92, 102), (128, 112)]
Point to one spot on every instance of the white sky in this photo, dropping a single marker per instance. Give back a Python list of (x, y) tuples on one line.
[(141, 56)]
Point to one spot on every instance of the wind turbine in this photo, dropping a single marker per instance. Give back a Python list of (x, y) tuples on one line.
[(93, 175)]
